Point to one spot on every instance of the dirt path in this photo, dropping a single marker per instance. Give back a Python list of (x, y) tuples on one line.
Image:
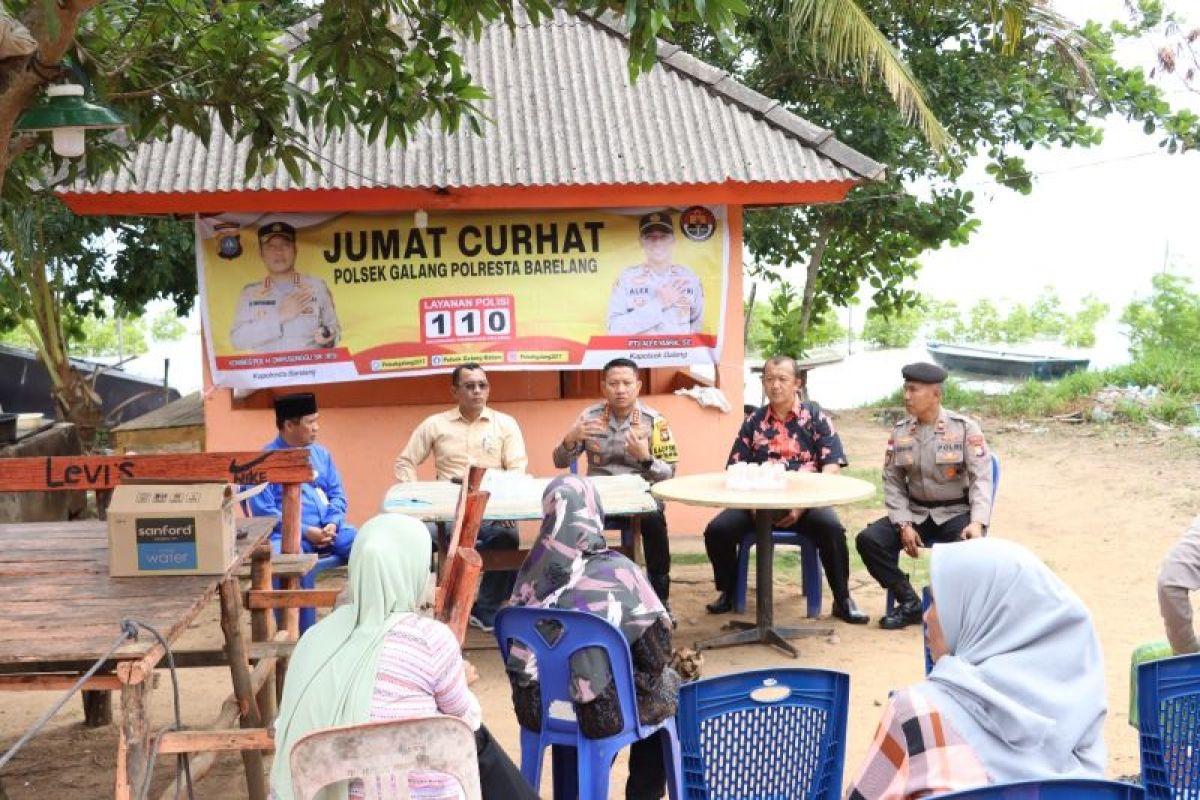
[(1100, 507)]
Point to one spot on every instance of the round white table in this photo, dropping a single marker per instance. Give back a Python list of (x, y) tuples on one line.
[(803, 490)]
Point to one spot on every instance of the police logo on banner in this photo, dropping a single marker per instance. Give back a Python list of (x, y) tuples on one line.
[(698, 223)]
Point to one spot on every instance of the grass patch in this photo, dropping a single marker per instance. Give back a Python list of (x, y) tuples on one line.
[(1177, 377)]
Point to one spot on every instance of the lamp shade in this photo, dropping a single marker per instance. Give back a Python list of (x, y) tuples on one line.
[(65, 107)]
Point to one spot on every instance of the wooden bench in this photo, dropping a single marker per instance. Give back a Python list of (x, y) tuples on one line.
[(102, 474)]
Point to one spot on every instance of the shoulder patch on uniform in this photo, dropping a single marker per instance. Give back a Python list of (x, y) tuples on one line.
[(662, 442)]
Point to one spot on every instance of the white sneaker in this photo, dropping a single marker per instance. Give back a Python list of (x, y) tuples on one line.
[(478, 624)]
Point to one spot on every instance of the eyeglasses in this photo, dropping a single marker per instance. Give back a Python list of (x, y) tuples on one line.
[(481, 386)]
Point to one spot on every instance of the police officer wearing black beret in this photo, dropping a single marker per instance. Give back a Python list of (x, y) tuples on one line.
[(937, 487)]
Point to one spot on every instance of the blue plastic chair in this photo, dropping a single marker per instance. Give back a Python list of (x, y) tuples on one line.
[(891, 600), (811, 575), (777, 733), (588, 776), (1060, 789), (1169, 726)]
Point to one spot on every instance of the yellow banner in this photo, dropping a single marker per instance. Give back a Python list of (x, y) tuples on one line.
[(304, 299)]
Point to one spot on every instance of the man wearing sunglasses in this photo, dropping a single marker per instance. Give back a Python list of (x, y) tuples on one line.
[(471, 433)]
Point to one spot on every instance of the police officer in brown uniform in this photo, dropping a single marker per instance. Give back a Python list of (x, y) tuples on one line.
[(937, 486), (286, 310), (623, 436)]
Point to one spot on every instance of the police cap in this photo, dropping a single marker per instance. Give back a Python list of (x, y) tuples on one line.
[(656, 221), (276, 228), (294, 406), (923, 372)]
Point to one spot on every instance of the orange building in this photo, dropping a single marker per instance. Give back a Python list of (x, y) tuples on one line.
[(568, 131)]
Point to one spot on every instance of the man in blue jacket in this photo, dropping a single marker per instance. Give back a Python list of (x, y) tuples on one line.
[(323, 527)]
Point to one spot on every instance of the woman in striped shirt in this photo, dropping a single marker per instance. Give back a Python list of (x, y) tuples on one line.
[(1017, 690), (376, 659)]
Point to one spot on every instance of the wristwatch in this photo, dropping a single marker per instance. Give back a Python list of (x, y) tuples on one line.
[(646, 463)]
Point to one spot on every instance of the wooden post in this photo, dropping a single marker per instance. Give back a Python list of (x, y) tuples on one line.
[(133, 748), (243, 687), (261, 626), (291, 544), (457, 592), (97, 705)]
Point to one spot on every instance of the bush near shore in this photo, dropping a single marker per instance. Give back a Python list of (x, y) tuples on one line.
[(1176, 375)]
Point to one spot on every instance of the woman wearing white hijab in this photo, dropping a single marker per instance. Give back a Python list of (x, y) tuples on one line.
[(377, 659), (1016, 693)]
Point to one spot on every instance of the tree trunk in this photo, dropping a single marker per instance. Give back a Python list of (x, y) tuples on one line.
[(810, 279), (74, 395)]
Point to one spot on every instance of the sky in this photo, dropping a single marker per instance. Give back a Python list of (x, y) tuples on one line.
[(1100, 220)]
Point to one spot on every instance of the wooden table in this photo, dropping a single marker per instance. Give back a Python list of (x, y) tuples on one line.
[(59, 607), (434, 501), (804, 490)]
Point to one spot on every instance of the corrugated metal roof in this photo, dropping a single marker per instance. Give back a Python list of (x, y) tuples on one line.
[(563, 114)]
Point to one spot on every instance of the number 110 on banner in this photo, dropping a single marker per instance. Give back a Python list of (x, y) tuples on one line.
[(458, 319)]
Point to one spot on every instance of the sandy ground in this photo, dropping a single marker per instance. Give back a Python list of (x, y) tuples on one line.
[(1101, 506)]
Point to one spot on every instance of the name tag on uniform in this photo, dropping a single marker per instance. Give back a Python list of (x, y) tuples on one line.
[(949, 452)]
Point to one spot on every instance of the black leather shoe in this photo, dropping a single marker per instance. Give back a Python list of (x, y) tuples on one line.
[(722, 605), (848, 612), (903, 615)]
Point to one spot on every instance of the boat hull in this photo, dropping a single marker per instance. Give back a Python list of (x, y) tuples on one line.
[(980, 361)]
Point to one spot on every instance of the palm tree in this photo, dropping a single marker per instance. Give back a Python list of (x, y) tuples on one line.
[(846, 37)]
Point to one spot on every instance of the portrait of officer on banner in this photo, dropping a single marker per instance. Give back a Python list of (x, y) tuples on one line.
[(657, 296), (286, 310)]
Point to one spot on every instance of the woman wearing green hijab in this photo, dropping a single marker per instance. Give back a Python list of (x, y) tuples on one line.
[(376, 659)]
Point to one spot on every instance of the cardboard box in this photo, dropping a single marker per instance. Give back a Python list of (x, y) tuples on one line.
[(171, 529)]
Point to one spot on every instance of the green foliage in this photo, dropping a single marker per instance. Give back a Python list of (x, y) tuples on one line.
[(1080, 329), (1173, 371), (1178, 379), (996, 99), (166, 327), (984, 322), (775, 327), (240, 66), (96, 266), (944, 321), (1168, 322), (897, 329), (94, 336), (110, 336), (1043, 319)]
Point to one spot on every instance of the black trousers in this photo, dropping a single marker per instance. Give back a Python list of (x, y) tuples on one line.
[(654, 540), (499, 777), (726, 530), (879, 546), (647, 769)]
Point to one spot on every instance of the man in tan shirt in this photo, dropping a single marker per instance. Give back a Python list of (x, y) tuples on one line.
[(471, 433)]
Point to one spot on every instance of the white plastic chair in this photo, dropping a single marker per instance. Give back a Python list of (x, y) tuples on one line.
[(381, 754)]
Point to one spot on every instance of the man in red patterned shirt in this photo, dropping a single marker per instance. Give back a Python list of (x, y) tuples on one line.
[(801, 436)]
